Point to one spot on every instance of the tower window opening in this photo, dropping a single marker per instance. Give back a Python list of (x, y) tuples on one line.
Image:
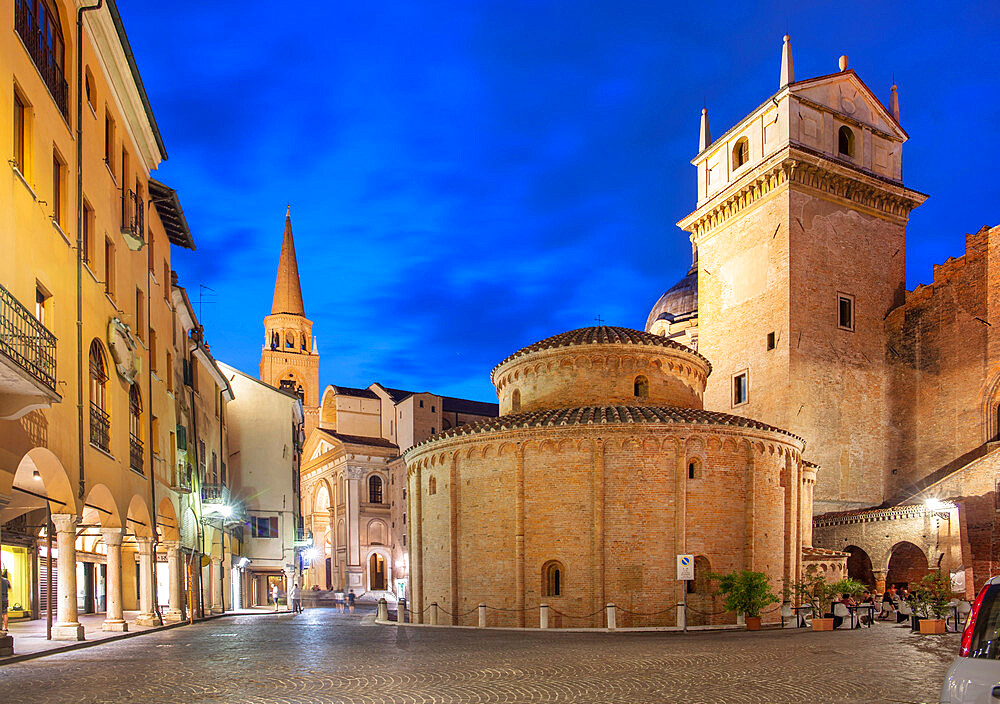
[(845, 312), (740, 388), (845, 141), (771, 342), (693, 469), (741, 152), (303, 342)]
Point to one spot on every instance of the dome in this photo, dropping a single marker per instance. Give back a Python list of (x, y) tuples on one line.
[(679, 303)]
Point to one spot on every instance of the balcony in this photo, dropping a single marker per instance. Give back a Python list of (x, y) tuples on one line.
[(303, 538), (135, 453), (215, 495), (100, 428), (27, 360), (132, 220), (45, 51), (181, 481)]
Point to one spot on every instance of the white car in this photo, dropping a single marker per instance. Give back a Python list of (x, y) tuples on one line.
[(974, 677)]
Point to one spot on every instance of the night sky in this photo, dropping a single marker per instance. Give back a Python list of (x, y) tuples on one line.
[(467, 178)]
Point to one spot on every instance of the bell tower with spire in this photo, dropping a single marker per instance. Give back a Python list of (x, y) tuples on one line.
[(289, 359)]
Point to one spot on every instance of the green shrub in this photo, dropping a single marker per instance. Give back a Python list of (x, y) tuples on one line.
[(745, 592)]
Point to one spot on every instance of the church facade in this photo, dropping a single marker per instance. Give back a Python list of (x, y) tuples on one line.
[(797, 294), (352, 475)]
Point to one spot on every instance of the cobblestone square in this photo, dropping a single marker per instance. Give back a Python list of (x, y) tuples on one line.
[(323, 656)]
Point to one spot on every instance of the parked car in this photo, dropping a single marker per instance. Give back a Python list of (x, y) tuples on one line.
[(974, 676)]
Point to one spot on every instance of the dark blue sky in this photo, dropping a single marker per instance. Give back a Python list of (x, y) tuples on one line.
[(469, 177)]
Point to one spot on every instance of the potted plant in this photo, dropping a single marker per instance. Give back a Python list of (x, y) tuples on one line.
[(931, 600), (814, 592), (746, 592)]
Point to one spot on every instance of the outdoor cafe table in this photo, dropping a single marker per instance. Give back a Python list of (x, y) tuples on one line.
[(856, 617)]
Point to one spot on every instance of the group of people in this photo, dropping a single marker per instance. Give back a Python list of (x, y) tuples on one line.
[(891, 600), (868, 598), (295, 599)]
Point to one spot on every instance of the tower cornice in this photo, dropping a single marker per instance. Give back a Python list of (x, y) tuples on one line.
[(806, 168)]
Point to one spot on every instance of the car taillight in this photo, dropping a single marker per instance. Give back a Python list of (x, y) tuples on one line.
[(970, 624)]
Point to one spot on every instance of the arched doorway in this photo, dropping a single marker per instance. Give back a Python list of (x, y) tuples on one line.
[(701, 598), (859, 566), (376, 572), (907, 565)]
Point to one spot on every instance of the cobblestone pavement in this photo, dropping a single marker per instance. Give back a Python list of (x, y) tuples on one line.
[(323, 656)]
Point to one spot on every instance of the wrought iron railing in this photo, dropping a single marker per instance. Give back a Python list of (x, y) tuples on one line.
[(44, 51), (181, 481), (132, 214), (215, 494), (26, 341), (100, 428), (135, 453)]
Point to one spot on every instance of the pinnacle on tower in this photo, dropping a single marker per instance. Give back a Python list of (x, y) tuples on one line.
[(787, 69), (894, 102), (706, 135), (287, 291)]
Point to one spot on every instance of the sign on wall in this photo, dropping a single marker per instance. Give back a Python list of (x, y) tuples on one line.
[(685, 567)]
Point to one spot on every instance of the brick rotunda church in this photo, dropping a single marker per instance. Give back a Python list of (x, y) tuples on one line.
[(602, 466)]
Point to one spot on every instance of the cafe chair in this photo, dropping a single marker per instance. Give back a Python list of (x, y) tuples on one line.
[(887, 611), (841, 611), (786, 612), (906, 610)]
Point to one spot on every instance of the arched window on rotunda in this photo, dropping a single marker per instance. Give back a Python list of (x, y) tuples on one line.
[(552, 579), (641, 387), (741, 152), (515, 401)]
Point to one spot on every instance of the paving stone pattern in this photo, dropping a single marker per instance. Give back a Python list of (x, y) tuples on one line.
[(322, 656)]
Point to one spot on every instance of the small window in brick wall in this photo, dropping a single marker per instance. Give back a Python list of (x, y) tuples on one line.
[(694, 469), (432, 486), (641, 387), (771, 342), (740, 388), (845, 312)]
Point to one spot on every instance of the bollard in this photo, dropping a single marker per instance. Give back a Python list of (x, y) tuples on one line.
[(434, 613), (543, 616), (482, 615), (682, 619), (612, 617), (401, 610), (382, 611)]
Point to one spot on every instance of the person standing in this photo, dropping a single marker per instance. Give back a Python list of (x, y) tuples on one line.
[(274, 595), (296, 597), (350, 601), (5, 588)]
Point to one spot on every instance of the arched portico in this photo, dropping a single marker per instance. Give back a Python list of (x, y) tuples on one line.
[(907, 565), (859, 566)]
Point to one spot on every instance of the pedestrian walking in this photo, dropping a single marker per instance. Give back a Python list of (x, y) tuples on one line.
[(296, 597), (5, 588), (338, 599), (274, 595), (350, 601)]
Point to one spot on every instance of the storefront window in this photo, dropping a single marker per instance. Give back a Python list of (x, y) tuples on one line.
[(17, 562)]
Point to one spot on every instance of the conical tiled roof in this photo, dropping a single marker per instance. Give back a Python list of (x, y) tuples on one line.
[(287, 291), (602, 335), (607, 416)]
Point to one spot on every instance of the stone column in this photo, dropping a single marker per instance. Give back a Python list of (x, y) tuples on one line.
[(68, 626), (147, 590), (289, 581), (114, 619), (215, 577), (354, 569), (175, 607), (879, 576)]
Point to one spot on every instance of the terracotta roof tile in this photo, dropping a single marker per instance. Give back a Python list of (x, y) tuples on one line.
[(602, 335), (605, 415)]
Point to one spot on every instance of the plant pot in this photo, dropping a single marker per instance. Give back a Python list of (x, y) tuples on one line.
[(822, 624), (932, 626), (753, 623)]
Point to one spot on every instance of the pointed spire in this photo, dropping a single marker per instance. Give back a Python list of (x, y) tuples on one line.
[(706, 135), (787, 69), (894, 101), (287, 292)]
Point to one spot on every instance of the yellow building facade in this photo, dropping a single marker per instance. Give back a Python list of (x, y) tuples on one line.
[(94, 360)]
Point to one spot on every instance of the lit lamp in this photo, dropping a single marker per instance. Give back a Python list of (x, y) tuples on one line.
[(310, 554), (36, 475)]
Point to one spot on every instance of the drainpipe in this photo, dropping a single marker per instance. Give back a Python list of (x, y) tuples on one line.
[(149, 434), (79, 236)]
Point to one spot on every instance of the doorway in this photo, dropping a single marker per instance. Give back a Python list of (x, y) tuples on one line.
[(376, 572), (329, 573)]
